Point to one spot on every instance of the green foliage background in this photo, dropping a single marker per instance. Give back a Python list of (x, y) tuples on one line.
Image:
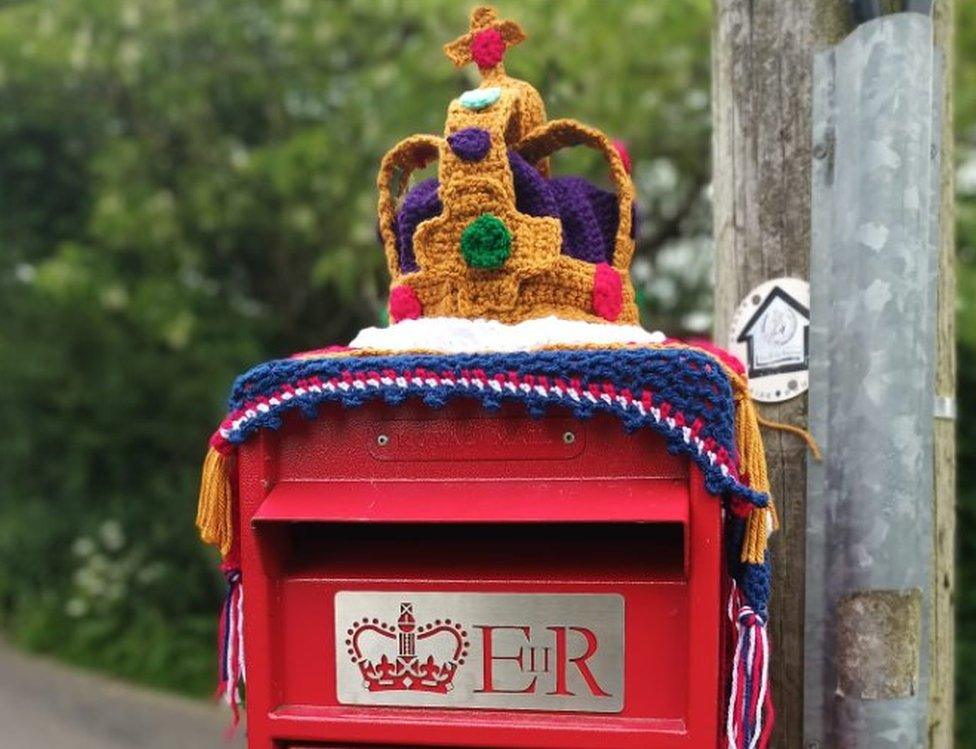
[(187, 187)]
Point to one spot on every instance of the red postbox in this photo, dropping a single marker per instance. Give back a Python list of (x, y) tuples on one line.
[(452, 578), (498, 522)]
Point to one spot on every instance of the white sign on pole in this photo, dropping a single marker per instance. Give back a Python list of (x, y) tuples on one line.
[(771, 337)]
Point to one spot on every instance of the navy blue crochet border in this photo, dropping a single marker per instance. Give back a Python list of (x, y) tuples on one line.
[(689, 381)]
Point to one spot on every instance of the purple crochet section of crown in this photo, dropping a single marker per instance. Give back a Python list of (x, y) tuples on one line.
[(470, 144), (589, 215), (420, 204)]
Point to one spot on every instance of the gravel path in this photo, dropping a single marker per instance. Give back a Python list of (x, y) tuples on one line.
[(45, 705)]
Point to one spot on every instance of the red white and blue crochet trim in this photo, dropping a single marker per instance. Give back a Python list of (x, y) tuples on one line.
[(700, 426)]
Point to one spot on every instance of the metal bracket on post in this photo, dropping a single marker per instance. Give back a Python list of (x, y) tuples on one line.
[(873, 278)]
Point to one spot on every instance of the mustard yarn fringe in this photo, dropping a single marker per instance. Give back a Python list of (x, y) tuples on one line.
[(214, 508), (752, 462)]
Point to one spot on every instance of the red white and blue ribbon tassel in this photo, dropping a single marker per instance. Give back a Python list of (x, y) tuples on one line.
[(231, 645), (749, 723)]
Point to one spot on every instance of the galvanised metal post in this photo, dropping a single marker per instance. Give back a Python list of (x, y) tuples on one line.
[(873, 280)]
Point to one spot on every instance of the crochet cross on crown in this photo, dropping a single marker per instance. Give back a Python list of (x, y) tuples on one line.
[(494, 236)]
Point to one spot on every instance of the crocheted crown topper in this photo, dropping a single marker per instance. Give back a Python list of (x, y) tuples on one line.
[(494, 236)]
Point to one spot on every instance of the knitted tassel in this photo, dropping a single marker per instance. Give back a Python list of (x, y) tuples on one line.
[(762, 521), (231, 645), (750, 715), (759, 525), (749, 441), (216, 502)]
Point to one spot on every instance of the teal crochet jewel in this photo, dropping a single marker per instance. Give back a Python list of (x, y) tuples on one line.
[(480, 98)]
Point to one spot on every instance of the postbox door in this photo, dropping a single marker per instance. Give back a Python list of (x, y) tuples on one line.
[(560, 596)]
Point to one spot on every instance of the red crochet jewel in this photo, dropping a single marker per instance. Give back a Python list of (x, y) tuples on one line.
[(488, 48), (607, 292), (404, 304)]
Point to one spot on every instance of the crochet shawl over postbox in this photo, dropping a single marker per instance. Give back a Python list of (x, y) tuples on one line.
[(696, 400)]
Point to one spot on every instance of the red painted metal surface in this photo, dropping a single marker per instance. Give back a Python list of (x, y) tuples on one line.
[(456, 500), (564, 500)]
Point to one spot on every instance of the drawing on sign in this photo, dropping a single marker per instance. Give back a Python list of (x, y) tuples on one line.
[(400, 666), (516, 651), (777, 336)]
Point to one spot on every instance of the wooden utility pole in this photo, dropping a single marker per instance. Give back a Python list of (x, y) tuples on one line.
[(944, 516), (761, 154)]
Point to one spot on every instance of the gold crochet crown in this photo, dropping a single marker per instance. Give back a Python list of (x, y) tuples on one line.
[(495, 236)]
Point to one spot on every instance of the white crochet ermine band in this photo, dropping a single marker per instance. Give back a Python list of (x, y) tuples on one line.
[(459, 335)]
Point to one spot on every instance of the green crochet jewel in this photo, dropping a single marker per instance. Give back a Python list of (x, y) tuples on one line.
[(486, 242)]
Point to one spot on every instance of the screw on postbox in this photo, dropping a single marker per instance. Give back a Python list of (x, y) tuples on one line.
[(513, 517)]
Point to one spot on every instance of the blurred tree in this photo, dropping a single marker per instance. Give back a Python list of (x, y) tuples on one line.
[(188, 188), (966, 335)]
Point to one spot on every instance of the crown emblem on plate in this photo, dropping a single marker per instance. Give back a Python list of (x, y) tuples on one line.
[(407, 656), (494, 235)]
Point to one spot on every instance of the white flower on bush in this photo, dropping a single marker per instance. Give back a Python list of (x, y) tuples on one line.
[(112, 535), (83, 547), (150, 573), (76, 607), (110, 572)]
